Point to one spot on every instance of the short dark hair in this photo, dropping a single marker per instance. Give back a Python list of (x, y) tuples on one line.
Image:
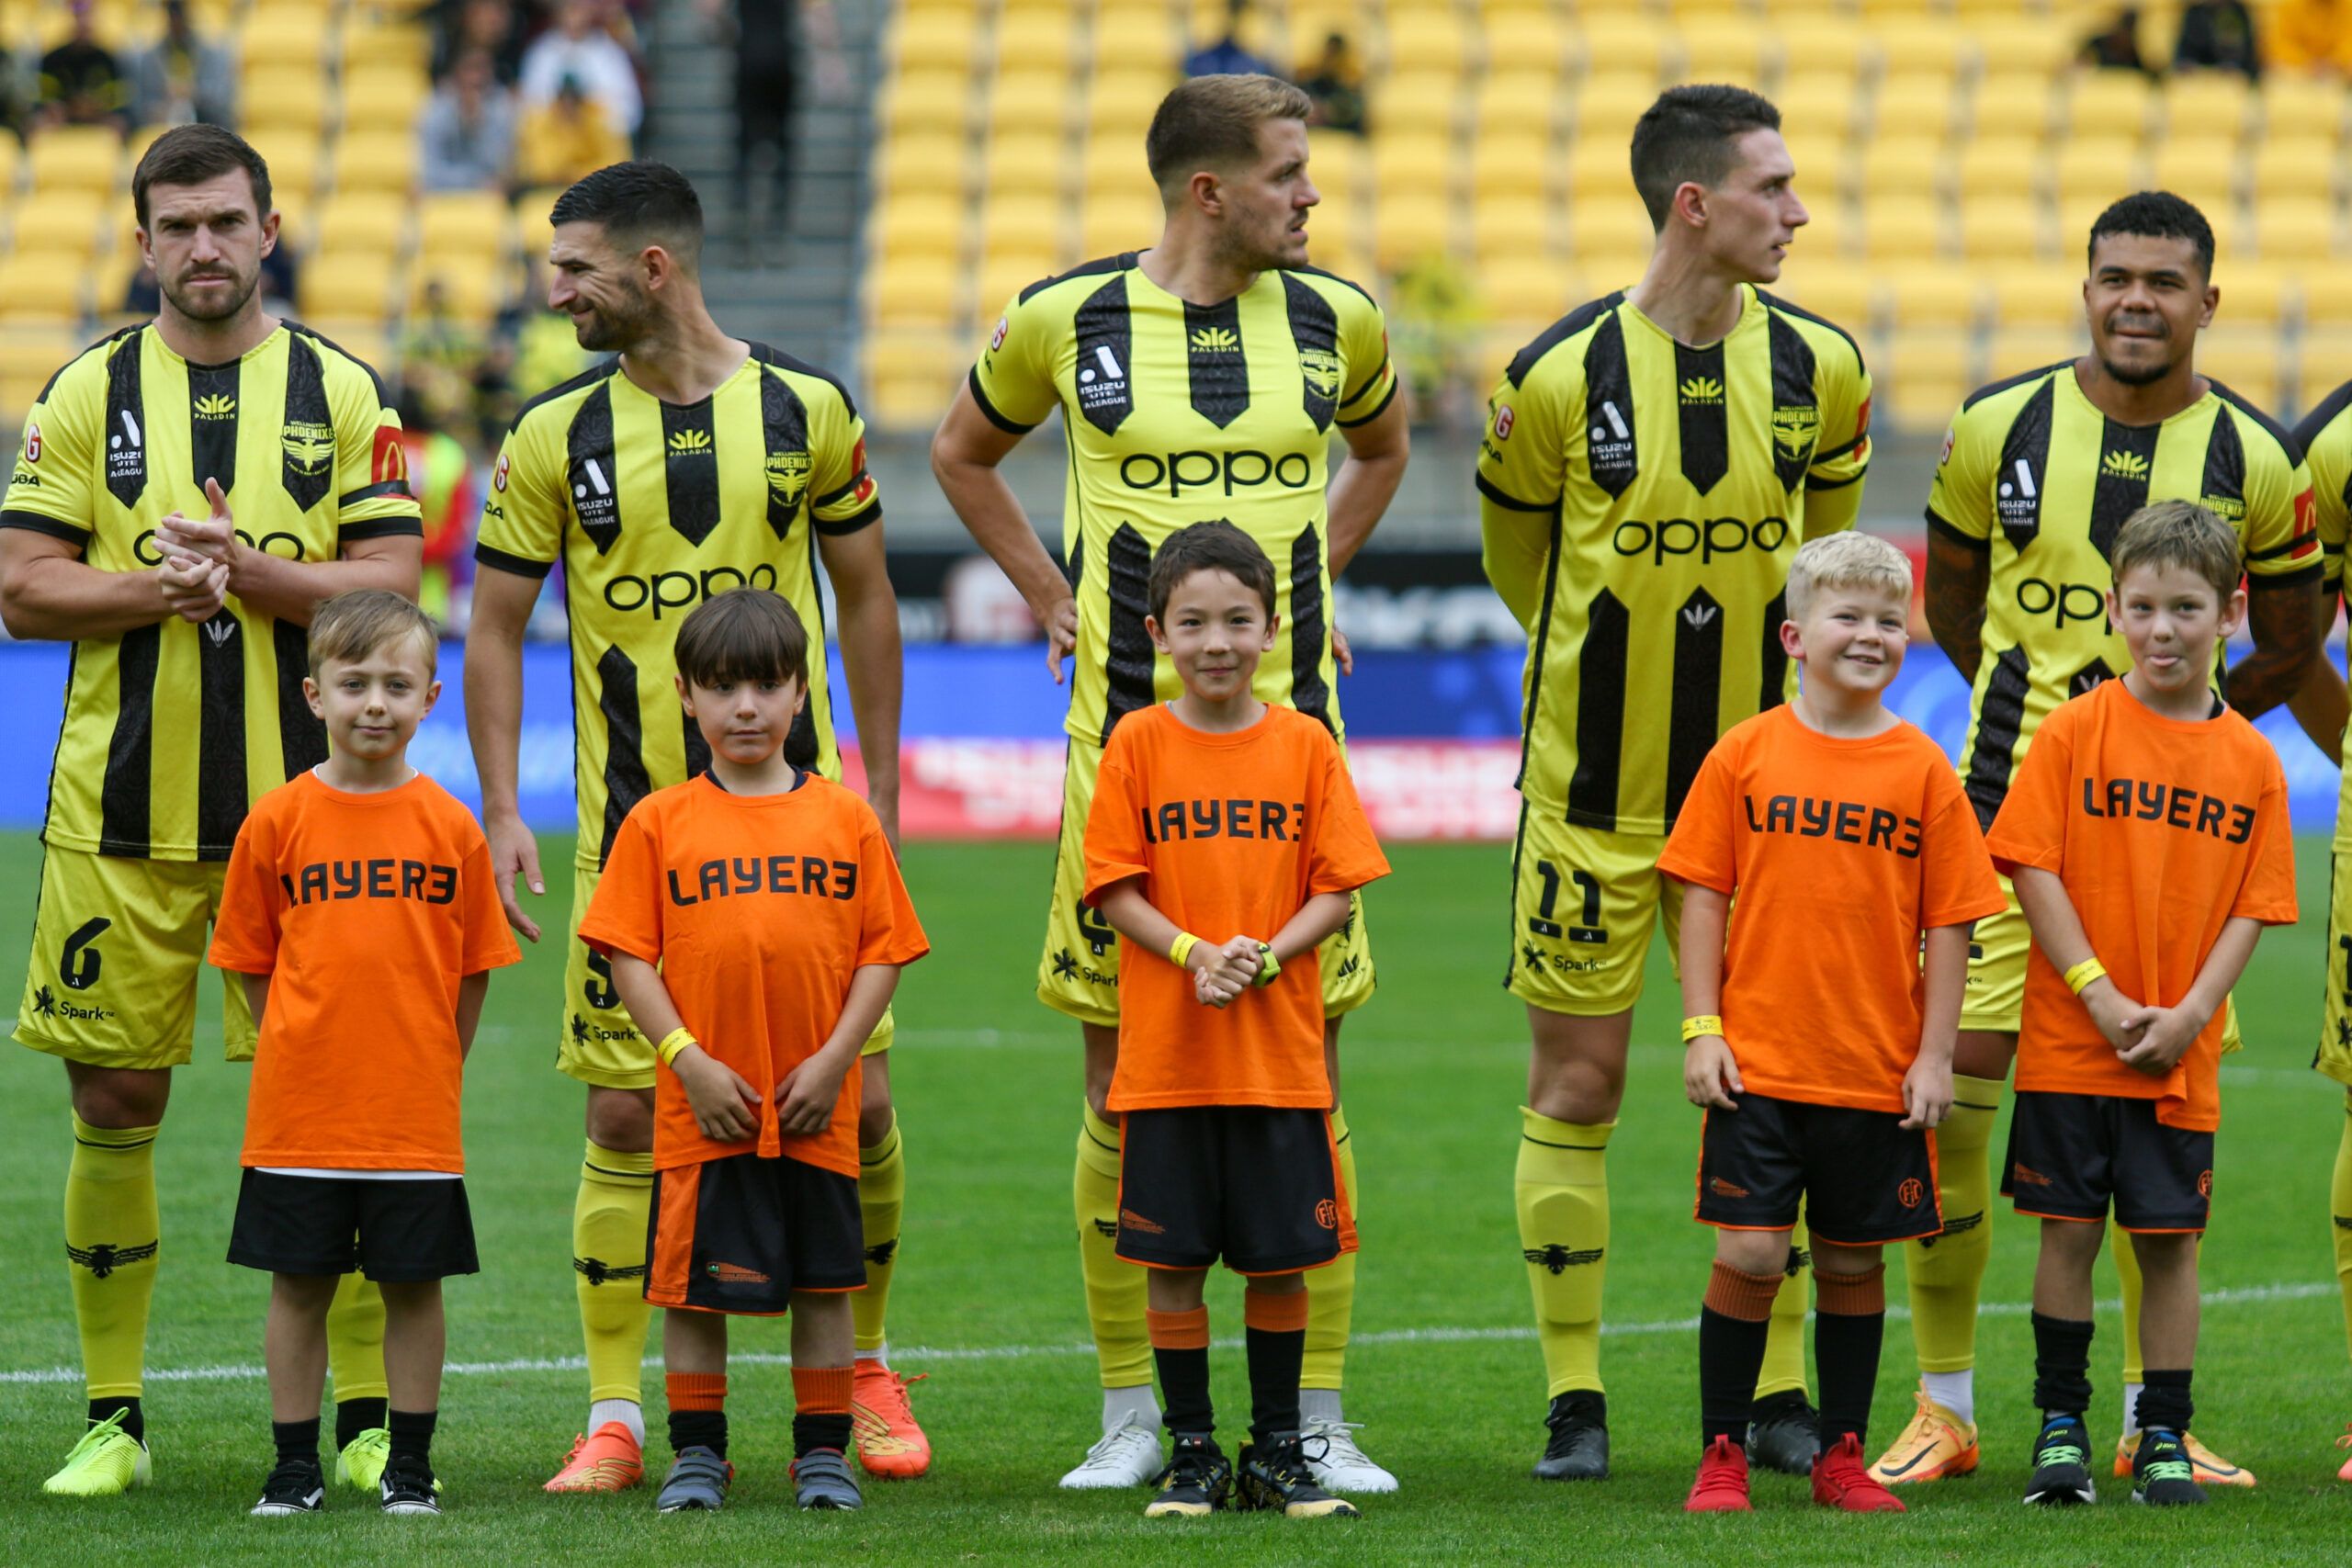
[(743, 634), (1686, 135), (1211, 122), (191, 154), (2181, 534), (2155, 215), (638, 200), (1210, 546)]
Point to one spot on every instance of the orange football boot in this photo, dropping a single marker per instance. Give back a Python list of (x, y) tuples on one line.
[(609, 1461), (890, 1446)]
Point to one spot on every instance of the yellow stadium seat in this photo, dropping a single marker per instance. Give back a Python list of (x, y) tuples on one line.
[(1003, 276), (1527, 289), (2205, 170), (284, 34), (1917, 44), (1623, 44), (1336, 164), (11, 158), (1933, 294), (1525, 39), (1031, 40), (1510, 228), (1413, 225), (1507, 165), (928, 161), (934, 38), (76, 158), (363, 220), (1610, 237), (1599, 166), (471, 290), (1118, 169), (1819, 42), (386, 40), (1920, 375), (1510, 97), (295, 166), (917, 292), (1129, 40), (2303, 107), (375, 160), (1896, 165), (1995, 165), (1608, 101), (2254, 294), (2098, 168), (30, 352), (284, 98), (2294, 231), (2326, 310), (463, 225), (2017, 349), (2075, 215), (61, 225), (1120, 104), (533, 228), (2001, 228), (2210, 106), (2036, 293), (34, 286), (911, 377), (2247, 362), (1817, 115), (1416, 101), (383, 97), (1904, 228), (1914, 102), (1846, 292), (1728, 48), (1109, 225), (2109, 103), (1029, 100), (1025, 226), (2017, 45), (922, 226), (1029, 163), (1424, 40), (1403, 161), (356, 282), (2293, 168), (928, 100), (2012, 104)]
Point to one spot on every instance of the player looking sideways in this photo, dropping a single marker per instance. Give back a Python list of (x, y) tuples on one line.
[(1693, 395), (1202, 378), (189, 490), (2037, 474), (688, 463)]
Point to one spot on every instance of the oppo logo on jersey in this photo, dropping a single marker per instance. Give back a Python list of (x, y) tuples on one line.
[(1673, 536), (682, 589), (285, 547), (2068, 604), (1245, 469)]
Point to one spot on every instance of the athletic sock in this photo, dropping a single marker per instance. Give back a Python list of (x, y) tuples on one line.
[(412, 1432), (2131, 1391), (1783, 1368), (127, 1406), (628, 1412), (881, 1200), (2127, 1274), (296, 1441), (1848, 1331), (821, 1408), (1733, 1323), (1318, 1406), (698, 1411), (1274, 1330), (2166, 1403), (1114, 1287), (2340, 1209), (1956, 1392), (353, 1417), (112, 1234), (356, 1346), (1180, 1347), (1124, 1407), (1945, 1272), (1331, 1290), (608, 1226), (2062, 1364), (1562, 1192)]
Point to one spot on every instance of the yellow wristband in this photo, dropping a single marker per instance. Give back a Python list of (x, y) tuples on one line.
[(1181, 948), (1705, 1023), (1268, 964), (673, 1043), (2082, 973)]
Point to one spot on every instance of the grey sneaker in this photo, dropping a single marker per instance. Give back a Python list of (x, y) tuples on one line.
[(698, 1478), (821, 1479)]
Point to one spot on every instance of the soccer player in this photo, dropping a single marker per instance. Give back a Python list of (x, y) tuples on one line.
[(1650, 464), (362, 924), (189, 489), (1203, 377), (2135, 791), (2039, 472), (1219, 812), (1833, 840), (687, 464), (755, 924)]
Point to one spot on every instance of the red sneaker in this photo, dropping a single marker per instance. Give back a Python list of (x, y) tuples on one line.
[(1722, 1485), (1840, 1481)]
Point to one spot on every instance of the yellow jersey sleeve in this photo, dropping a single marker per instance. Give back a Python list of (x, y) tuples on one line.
[(1960, 497), (843, 498), (1522, 469), (1368, 377), (1842, 455), (51, 491), (2325, 437), (2281, 520), (522, 513), (372, 493), (1013, 381)]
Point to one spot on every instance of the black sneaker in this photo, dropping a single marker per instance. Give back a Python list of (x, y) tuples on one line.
[(1579, 1447), (1784, 1433), (296, 1486), (1274, 1476), (2162, 1473), (2062, 1463), (408, 1486), (1198, 1480)]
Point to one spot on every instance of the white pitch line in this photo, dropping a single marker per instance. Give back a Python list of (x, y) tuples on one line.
[(245, 1373)]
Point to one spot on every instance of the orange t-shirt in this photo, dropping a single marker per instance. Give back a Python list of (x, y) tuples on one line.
[(366, 911), (1836, 854), (2163, 830), (759, 910), (1232, 834)]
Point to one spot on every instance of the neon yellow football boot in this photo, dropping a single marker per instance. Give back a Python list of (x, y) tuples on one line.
[(107, 1462)]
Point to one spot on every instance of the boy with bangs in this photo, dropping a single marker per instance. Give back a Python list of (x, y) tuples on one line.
[(1224, 842), (358, 870), (2133, 792), (756, 923), (1820, 1040)]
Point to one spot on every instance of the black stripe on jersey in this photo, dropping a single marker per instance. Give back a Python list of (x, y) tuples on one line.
[(1104, 372), (1394, 386), (2127, 457), (1774, 688), (2222, 487), (521, 565), (601, 371), (1127, 659), (221, 735), (1123, 262), (1774, 302), (1697, 693), (783, 426), (306, 442), (1215, 367), (776, 356), (1600, 712), (996, 416), (127, 799), (1501, 497), (1343, 282), (1558, 332), (1940, 524), (800, 740), (690, 469), (1613, 453), (625, 779), (1998, 722), (322, 341), (301, 738), (1993, 389), (2025, 467), (1314, 330), (1796, 408), (101, 346), (2089, 678), (380, 524), (1702, 407), (2277, 432), (212, 422), (126, 435), (2314, 424), (590, 471), (1308, 631), (33, 522)]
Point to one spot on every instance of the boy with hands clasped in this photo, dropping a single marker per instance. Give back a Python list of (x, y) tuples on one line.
[(1819, 840)]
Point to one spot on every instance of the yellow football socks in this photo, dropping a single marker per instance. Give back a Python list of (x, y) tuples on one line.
[(1562, 1190), (609, 1256), (1946, 1273), (1114, 1287), (2339, 1198), (356, 1341), (111, 1236), (2127, 1274), (881, 1198), (1783, 1368), (1331, 1290)]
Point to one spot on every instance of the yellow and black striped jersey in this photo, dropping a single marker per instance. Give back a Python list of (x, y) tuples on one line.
[(2035, 474), (1176, 413), (652, 507), (2325, 437), (173, 730), (1667, 487)]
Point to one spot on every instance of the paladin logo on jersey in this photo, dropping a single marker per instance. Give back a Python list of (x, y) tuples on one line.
[(1701, 389), (1216, 340), (1322, 368), (216, 405), (2124, 466), (689, 444), (310, 448), (788, 477)]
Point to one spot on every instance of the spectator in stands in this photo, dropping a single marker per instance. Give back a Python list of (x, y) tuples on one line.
[(563, 139), (2217, 35), (184, 76), (1227, 55), (2115, 47), (81, 81), (497, 27), (1335, 82), (578, 49), (2313, 35), (768, 38), (466, 131)]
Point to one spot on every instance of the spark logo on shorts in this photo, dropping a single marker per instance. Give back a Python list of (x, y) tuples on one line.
[(1846, 821), (323, 880), (741, 877), (2174, 806), (1175, 821)]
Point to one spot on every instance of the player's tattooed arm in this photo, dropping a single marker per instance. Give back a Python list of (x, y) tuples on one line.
[(1959, 574), (2321, 705), (2284, 620)]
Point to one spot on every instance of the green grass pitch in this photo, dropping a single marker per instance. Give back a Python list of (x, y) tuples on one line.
[(1445, 1372)]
